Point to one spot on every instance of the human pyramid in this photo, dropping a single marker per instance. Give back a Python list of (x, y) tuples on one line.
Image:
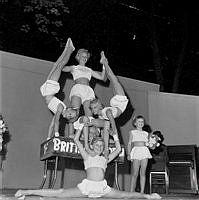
[(95, 131)]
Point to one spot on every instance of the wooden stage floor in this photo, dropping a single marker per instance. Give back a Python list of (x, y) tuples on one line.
[(8, 194)]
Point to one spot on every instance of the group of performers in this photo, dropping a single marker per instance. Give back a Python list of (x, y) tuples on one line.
[(95, 131)]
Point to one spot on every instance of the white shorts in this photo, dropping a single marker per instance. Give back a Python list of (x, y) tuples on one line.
[(50, 88), (119, 101), (140, 153), (94, 189), (85, 92), (53, 104)]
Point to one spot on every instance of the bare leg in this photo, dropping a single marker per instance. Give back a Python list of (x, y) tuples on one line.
[(117, 194), (117, 88), (135, 171), (143, 174), (75, 102), (59, 193), (62, 60), (87, 110)]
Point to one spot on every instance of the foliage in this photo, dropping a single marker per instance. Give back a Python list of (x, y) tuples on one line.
[(46, 16), (3, 132)]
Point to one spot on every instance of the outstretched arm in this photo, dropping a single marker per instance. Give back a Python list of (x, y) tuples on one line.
[(118, 149), (100, 75), (67, 69), (111, 118), (57, 116), (106, 131), (86, 142), (51, 128), (83, 152)]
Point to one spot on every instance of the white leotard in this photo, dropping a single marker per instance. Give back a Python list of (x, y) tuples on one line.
[(81, 72), (95, 161), (139, 136)]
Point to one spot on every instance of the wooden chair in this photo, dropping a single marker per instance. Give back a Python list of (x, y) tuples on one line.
[(182, 168)]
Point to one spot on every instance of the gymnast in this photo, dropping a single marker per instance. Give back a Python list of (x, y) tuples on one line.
[(51, 87), (81, 93), (118, 102), (94, 185)]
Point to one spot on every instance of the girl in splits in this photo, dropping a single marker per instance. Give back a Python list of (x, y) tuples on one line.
[(51, 87), (94, 185)]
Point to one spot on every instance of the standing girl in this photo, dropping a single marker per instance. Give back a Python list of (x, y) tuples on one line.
[(81, 92), (138, 152)]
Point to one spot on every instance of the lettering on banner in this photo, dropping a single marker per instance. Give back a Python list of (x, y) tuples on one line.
[(65, 146)]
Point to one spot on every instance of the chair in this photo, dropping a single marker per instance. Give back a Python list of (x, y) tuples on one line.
[(158, 176), (182, 168)]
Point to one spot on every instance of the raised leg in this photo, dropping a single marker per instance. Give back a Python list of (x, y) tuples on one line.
[(62, 60), (117, 87)]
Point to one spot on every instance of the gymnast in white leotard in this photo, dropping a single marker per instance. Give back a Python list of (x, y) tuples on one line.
[(81, 92)]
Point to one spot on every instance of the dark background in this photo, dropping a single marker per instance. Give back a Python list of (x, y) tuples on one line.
[(149, 40)]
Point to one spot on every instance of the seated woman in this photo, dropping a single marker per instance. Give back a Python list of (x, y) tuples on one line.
[(94, 185)]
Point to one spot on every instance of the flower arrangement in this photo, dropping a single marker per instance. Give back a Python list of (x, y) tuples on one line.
[(3, 130), (154, 141)]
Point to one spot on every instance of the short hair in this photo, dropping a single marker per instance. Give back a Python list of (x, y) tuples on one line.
[(80, 51), (72, 120), (136, 118), (159, 134)]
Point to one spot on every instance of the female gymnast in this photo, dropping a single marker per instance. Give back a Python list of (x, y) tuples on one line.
[(81, 93), (140, 153), (94, 185), (51, 87), (118, 102)]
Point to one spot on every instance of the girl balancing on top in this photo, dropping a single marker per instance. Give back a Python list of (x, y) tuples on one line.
[(81, 92), (94, 185)]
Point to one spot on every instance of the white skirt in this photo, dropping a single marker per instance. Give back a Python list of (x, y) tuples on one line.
[(94, 189), (140, 153)]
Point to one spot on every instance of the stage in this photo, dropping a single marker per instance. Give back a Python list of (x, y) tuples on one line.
[(8, 194)]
